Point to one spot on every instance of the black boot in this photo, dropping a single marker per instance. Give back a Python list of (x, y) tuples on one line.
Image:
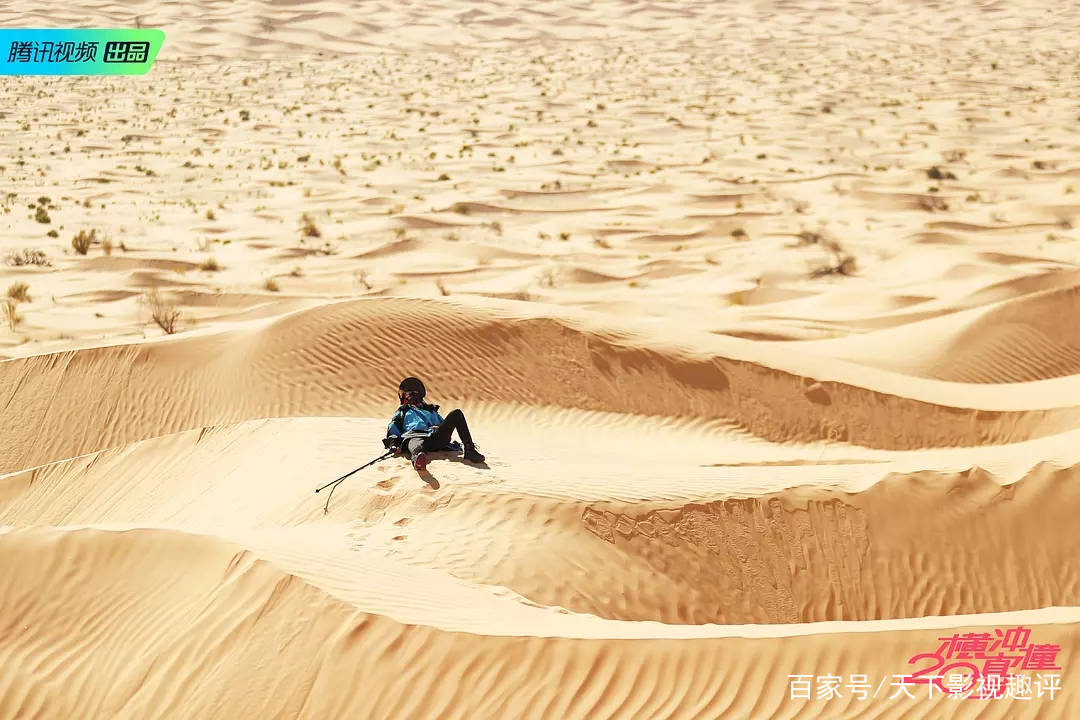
[(472, 454)]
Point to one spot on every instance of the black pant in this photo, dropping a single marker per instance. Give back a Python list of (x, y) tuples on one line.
[(439, 439)]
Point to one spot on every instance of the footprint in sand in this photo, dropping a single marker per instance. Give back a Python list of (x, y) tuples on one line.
[(386, 484), (403, 521)]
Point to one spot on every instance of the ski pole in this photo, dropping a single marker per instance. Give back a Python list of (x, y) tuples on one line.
[(334, 483), (385, 455)]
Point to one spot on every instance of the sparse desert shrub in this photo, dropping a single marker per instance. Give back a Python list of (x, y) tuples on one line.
[(210, 264), (42, 215), (83, 240), (296, 271), (210, 214), (308, 228), (107, 246), (53, 233), (271, 285), (19, 292), (162, 310), (931, 203), (936, 173), (847, 265), (840, 262), (27, 256), (601, 242), (739, 234), (442, 287)]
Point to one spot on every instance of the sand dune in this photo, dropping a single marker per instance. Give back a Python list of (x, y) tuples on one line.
[(764, 554), (764, 314), (333, 360), (355, 662)]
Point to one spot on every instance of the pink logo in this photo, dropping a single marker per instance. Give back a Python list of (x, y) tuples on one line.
[(996, 663)]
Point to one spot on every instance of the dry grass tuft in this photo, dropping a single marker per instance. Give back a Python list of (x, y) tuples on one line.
[(26, 256), (83, 240), (308, 228), (840, 262), (13, 318), (19, 292), (936, 173)]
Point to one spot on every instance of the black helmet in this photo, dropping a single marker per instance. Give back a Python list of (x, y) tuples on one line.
[(411, 388)]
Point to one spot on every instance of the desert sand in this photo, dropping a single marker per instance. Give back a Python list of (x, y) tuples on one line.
[(764, 313)]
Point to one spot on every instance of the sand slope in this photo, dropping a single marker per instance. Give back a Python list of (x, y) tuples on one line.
[(231, 615)]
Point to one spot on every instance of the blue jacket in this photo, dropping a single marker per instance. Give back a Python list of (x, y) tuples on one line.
[(417, 421)]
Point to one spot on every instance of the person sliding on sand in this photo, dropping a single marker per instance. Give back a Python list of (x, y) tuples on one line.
[(417, 427)]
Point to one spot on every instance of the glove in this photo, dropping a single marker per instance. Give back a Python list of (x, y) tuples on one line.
[(390, 442)]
